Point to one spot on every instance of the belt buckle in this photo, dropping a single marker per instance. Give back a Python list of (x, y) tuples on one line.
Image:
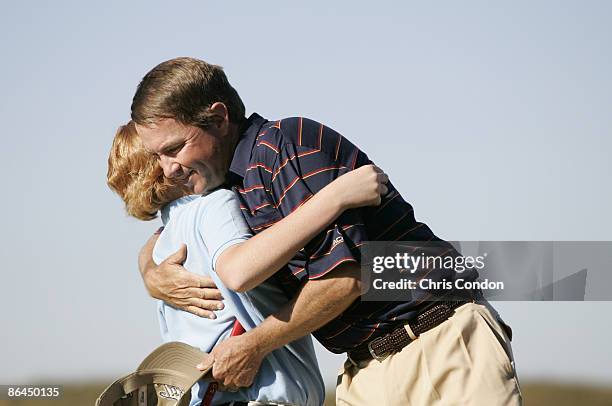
[(378, 358)]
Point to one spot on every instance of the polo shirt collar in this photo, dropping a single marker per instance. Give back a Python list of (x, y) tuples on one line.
[(242, 153)]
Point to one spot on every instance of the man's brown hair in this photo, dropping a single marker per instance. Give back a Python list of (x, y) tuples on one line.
[(135, 175), (183, 89)]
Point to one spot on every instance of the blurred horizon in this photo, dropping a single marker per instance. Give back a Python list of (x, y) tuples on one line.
[(535, 394)]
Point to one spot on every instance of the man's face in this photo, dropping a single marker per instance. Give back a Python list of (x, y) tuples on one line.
[(187, 154)]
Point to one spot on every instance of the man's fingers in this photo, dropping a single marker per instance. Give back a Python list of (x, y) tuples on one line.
[(383, 189), (377, 169), (228, 388), (204, 281), (198, 311), (179, 256), (203, 284), (207, 294), (200, 286), (211, 294), (204, 293), (215, 373), (206, 363), (210, 305), (383, 177), (245, 381)]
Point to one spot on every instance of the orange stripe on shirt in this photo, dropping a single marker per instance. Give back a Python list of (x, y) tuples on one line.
[(412, 229), (255, 187), (328, 168), (392, 225), (267, 144), (346, 227), (300, 131), (264, 225), (300, 204), (320, 136), (260, 207), (308, 175), (396, 194), (297, 271), (293, 182), (337, 333), (370, 334), (259, 165), (354, 159), (345, 259), (314, 151)]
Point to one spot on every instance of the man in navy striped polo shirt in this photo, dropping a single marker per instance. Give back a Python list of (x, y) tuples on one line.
[(193, 120)]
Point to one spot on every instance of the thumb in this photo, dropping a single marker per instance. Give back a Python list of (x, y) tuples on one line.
[(206, 363), (179, 256)]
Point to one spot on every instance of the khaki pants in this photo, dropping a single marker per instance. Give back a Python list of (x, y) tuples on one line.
[(466, 360)]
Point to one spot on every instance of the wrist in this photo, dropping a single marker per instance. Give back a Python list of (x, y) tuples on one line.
[(258, 342), (148, 276), (333, 199)]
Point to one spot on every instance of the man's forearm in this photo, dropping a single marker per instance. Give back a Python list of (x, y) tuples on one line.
[(145, 257), (319, 301), (145, 261)]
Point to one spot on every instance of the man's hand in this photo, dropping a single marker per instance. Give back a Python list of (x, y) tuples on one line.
[(173, 284), (236, 361)]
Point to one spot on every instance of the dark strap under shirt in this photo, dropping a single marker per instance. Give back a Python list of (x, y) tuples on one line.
[(277, 166)]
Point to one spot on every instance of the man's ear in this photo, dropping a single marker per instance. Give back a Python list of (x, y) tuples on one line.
[(219, 109)]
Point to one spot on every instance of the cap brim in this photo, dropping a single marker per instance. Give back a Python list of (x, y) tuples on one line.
[(171, 363), (179, 357), (132, 382)]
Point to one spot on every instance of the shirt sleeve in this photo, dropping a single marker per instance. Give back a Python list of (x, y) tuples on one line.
[(299, 173), (222, 224)]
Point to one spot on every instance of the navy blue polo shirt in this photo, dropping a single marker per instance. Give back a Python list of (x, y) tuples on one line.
[(279, 165)]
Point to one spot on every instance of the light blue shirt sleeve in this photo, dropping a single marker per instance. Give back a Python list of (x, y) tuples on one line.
[(223, 224)]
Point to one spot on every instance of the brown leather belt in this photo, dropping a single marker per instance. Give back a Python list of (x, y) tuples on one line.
[(382, 346)]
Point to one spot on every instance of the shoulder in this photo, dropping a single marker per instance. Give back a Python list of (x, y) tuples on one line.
[(221, 194), (291, 133), (217, 199), (215, 209)]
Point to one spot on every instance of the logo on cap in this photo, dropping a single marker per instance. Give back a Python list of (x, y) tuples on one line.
[(169, 391)]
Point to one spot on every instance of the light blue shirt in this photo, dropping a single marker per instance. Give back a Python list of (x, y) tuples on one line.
[(208, 225)]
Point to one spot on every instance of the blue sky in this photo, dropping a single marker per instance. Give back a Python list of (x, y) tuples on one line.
[(492, 119)]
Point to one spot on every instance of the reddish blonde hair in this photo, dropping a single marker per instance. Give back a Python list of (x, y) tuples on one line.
[(135, 175)]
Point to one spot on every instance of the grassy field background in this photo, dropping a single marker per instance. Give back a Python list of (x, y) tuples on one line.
[(535, 394)]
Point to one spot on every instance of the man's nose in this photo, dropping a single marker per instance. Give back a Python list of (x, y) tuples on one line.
[(171, 169)]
